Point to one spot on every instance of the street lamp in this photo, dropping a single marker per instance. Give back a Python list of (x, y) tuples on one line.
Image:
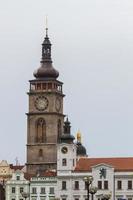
[(93, 190), (25, 195), (88, 181)]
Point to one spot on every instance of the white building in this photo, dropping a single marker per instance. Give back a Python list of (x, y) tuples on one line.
[(17, 185), (43, 186), (110, 175)]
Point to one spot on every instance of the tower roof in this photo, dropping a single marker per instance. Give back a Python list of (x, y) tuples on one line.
[(66, 136), (81, 150), (46, 70)]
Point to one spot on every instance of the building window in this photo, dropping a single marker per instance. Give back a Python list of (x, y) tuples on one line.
[(64, 199), (42, 190), (13, 189), (119, 185), (21, 189), (76, 185), (64, 162), (99, 185), (51, 190), (76, 198), (34, 190), (63, 185), (17, 178), (129, 185), (106, 185)]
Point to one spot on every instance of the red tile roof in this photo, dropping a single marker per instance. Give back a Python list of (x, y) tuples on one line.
[(28, 176), (119, 164), (16, 167), (48, 173)]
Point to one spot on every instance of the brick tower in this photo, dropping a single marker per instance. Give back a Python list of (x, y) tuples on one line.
[(45, 118)]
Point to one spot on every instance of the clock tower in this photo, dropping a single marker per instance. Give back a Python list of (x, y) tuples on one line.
[(45, 118)]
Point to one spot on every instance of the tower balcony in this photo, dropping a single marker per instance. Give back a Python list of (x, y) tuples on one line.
[(46, 86)]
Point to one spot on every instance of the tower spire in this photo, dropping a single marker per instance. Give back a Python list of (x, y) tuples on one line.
[(46, 22), (46, 70)]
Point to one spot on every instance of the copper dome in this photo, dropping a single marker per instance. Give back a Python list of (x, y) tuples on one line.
[(81, 150), (46, 71)]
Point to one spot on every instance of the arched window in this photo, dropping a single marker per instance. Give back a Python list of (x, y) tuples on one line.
[(40, 131), (58, 129), (40, 154)]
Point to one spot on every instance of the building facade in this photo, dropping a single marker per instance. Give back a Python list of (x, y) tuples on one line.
[(44, 186), (5, 171), (17, 185)]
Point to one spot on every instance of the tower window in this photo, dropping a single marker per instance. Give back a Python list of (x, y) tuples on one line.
[(38, 86), (49, 85), (44, 86), (17, 178), (40, 153), (64, 162), (40, 131), (55, 86)]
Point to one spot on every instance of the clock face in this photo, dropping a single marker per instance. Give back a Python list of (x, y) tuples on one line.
[(64, 150), (41, 103), (58, 104)]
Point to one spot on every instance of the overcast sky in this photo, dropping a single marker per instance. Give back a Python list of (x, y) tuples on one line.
[(92, 49)]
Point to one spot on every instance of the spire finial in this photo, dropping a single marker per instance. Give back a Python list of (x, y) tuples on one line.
[(46, 22), (78, 136), (66, 118)]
